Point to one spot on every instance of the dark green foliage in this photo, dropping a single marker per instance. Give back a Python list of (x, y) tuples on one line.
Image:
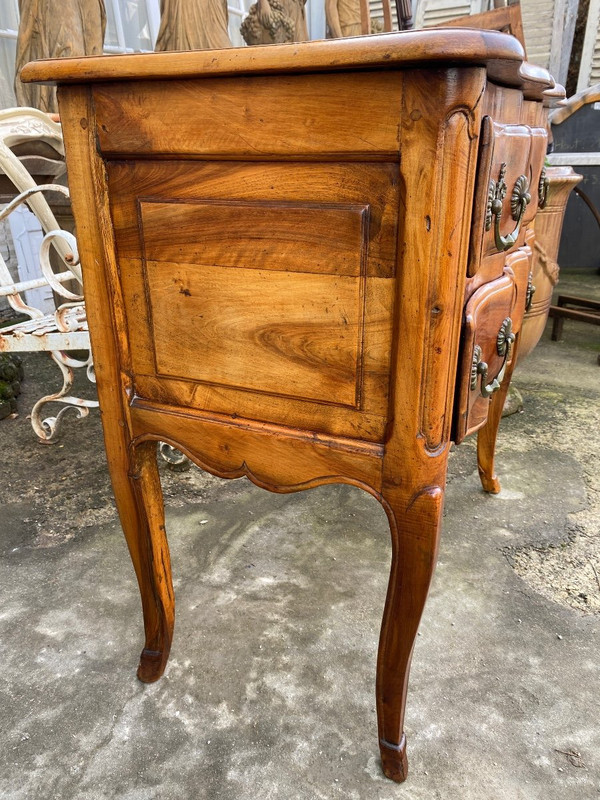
[(11, 375)]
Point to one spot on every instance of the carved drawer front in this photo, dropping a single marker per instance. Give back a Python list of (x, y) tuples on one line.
[(493, 318), (260, 290), (510, 181)]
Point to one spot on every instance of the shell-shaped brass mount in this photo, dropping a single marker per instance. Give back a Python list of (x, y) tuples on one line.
[(504, 344), (519, 200)]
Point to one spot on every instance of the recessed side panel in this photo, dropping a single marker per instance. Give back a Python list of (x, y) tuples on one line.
[(261, 293), (278, 333), (291, 237), (267, 298)]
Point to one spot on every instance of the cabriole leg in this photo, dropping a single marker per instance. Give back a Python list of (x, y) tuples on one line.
[(143, 523), (486, 437), (414, 525)]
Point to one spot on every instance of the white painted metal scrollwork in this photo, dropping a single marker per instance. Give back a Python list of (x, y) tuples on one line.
[(65, 331)]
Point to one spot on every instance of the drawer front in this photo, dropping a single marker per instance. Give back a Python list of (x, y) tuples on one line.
[(260, 290), (511, 162), (493, 318)]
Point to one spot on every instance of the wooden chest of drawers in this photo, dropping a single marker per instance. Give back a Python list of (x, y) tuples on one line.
[(305, 264)]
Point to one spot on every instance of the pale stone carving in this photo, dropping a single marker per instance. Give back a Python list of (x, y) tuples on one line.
[(193, 25), (275, 21), (55, 29), (343, 18)]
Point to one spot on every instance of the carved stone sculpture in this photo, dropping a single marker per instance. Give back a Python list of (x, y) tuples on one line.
[(275, 22), (55, 29), (343, 18), (193, 25)]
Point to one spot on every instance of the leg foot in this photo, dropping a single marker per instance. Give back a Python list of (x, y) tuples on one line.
[(490, 483), (139, 498), (149, 550), (394, 760), (152, 665)]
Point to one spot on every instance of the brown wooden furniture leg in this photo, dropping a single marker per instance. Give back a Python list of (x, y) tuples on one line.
[(415, 527), (133, 469), (486, 436), (149, 549), (139, 501)]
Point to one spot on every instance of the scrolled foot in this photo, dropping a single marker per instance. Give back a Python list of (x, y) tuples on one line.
[(394, 760), (490, 484), (152, 665)]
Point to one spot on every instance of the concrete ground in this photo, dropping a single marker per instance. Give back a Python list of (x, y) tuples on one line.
[(269, 692)]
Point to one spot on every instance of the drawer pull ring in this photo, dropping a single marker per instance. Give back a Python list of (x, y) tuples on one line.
[(504, 346), (519, 200)]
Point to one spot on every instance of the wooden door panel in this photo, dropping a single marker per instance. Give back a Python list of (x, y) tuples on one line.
[(306, 237)]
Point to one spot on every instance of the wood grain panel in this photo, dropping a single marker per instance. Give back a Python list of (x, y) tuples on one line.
[(284, 333), (291, 183), (252, 117), (271, 236), (367, 423)]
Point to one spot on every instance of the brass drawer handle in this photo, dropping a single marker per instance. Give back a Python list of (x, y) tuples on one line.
[(530, 292), (519, 200), (543, 187), (504, 345)]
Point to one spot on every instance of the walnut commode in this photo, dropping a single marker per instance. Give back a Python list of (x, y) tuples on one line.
[(306, 264)]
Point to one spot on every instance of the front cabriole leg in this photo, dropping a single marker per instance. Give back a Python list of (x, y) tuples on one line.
[(414, 527)]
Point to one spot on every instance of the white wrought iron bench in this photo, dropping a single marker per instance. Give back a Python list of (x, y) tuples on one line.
[(64, 332)]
